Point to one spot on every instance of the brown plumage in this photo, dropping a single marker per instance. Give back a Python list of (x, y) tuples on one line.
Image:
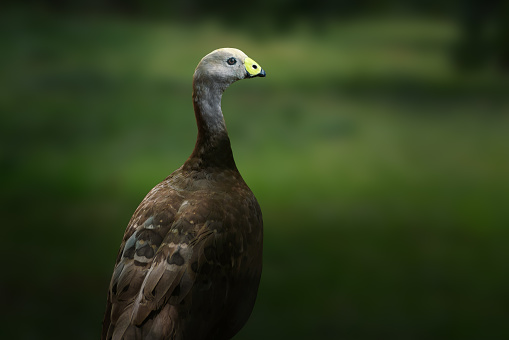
[(190, 261)]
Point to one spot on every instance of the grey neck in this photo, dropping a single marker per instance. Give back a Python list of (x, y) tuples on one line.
[(207, 107), (212, 147)]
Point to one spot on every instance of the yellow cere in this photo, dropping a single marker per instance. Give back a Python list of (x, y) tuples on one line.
[(252, 66)]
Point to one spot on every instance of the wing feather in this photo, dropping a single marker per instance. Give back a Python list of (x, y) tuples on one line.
[(138, 288), (162, 279)]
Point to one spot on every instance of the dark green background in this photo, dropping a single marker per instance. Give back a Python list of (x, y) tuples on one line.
[(381, 167)]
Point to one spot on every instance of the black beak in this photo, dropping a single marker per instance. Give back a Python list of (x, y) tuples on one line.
[(261, 74)]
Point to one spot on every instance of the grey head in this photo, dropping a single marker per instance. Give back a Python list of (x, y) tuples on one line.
[(225, 66)]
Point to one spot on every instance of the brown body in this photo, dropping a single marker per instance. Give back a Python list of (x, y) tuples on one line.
[(191, 258)]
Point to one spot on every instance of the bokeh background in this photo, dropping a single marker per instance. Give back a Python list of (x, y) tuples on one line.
[(378, 148)]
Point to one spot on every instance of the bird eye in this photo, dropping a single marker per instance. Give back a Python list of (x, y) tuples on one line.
[(231, 61), (255, 67)]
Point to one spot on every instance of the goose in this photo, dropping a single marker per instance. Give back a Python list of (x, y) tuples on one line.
[(190, 261)]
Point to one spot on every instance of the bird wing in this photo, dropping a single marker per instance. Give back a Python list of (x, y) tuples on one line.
[(164, 246)]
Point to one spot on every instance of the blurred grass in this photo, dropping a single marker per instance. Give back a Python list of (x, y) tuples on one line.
[(381, 171)]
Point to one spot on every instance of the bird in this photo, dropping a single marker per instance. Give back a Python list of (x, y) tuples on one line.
[(190, 262)]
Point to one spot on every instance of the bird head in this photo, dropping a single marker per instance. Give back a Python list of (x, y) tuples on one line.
[(227, 65)]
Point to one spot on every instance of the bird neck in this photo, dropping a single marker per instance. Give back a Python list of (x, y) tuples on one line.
[(212, 147)]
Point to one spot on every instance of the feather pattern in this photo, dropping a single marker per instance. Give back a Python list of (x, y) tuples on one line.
[(190, 261)]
